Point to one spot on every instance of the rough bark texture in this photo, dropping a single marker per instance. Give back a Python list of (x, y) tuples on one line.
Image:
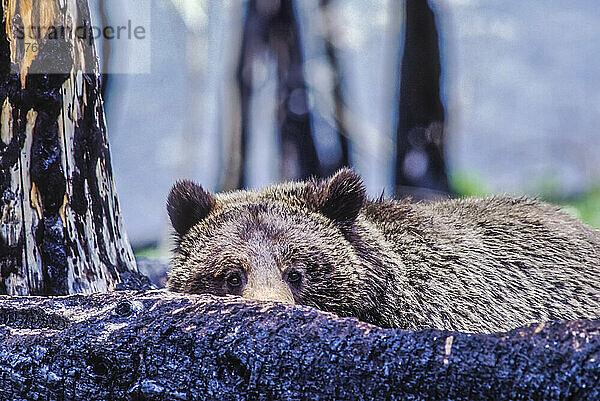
[(163, 346), (60, 226)]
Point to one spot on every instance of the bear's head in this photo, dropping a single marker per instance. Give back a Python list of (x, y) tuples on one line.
[(287, 242)]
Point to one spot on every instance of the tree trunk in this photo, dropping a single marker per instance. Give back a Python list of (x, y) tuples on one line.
[(420, 134), (337, 90), (166, 346), (270, 27), (61, 230)]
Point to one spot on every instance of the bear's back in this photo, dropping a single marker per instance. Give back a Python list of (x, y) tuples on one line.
[(493, 262)]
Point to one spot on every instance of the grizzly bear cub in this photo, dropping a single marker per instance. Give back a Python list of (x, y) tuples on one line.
[(474, 264)]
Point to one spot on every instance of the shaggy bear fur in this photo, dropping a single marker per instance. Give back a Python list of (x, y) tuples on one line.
[(474, 264)]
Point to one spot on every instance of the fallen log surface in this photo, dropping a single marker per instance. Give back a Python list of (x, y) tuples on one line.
[(158, 345)]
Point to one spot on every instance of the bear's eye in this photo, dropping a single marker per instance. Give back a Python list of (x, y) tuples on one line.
[(234, 280), (294, 276)]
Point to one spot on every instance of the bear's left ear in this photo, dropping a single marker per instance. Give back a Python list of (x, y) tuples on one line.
[(341, 197), (188, 203)]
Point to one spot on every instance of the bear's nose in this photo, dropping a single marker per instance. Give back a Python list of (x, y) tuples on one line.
[(280, 293)]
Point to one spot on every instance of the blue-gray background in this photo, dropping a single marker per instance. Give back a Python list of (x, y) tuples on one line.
[(520, 85)]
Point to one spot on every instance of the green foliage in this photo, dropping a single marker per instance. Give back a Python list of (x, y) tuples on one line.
[(468, 184), (587, 206), (148, 252)]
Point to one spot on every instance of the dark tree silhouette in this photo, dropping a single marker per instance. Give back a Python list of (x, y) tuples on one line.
[(420, 134), (270, 27)]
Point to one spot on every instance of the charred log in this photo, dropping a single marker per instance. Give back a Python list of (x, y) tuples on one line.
[(163, 346)]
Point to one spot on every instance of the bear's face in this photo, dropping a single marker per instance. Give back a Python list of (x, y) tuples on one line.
[(287, 244)]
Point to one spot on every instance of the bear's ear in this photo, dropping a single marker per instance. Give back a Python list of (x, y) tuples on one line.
[(187, 204), (341, 197)]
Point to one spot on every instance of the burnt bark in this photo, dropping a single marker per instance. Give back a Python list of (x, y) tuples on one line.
[(61, 230), (159, 345), (106, 51)]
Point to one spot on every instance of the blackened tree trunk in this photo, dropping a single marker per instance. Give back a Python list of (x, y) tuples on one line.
[(420, 135), (61, 230), (106, 51), (167, 346), (270, 27)]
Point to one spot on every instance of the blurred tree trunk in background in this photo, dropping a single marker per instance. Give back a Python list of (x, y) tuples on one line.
[(270, 26), (420, 134), (338, 95), (61, 230)]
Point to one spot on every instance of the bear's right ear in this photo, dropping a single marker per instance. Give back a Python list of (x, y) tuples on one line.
[(340, 197), (187, 204)]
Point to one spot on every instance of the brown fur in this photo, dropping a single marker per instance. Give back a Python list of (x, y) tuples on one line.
[(474, 264)]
